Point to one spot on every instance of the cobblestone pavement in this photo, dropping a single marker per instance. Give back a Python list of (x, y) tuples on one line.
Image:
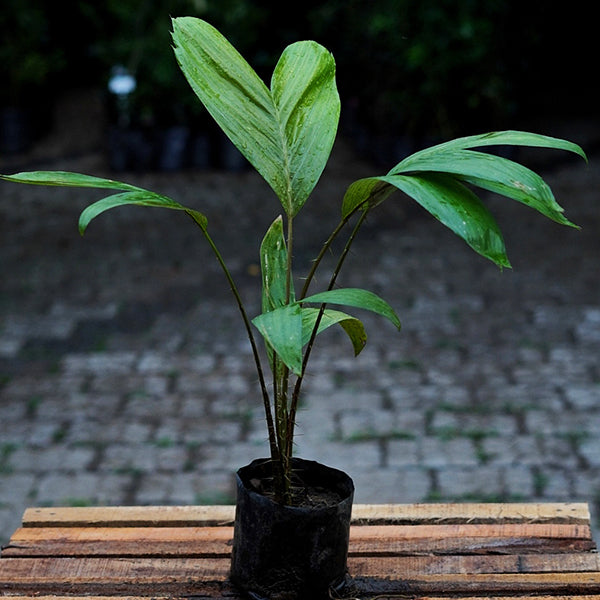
[(126, 379)]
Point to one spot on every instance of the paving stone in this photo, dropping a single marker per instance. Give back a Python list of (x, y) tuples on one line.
[(489, 391), (126, 458), (434, 452), (512, 450), (154, 488), (470, 482), (590, 451), (16, 489), (519, 482), (584, 397), (554, 483), (41, 460), (10, 520), (402, 453), (391, 485), (62, 489)]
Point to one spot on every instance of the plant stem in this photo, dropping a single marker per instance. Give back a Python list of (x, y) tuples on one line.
[(265, 394), (319, 257), (338, 267)]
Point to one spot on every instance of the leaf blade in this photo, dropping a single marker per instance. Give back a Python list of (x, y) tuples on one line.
[(135, 198), (447, 200), (281, 329), (68, 179), (308, 108), (500, 138), (233, 94), (273, 263), (356, 298), (353, 327), (493, 173), (286, 132)]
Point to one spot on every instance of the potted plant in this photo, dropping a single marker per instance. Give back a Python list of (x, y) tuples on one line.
[(286, 505)]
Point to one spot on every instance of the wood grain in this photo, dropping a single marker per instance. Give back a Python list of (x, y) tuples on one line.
[(428, 552)]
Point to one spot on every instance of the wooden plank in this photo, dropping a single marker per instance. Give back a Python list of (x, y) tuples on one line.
[(416, 575), (179, 516), (521, 597), (397, 567), (193, 542), (470, 538), (130, 516), (486, 585), (365, 540), (229, 596), (526, 512)]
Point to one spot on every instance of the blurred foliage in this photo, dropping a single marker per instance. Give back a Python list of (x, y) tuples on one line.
[(437, 68), (29, 56)]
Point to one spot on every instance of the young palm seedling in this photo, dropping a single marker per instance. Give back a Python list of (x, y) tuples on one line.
[(286, 131)]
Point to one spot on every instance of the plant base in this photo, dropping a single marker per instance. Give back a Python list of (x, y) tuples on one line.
[(291, 552)]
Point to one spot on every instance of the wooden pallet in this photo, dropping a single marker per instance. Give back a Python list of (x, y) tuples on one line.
[(418, 551)]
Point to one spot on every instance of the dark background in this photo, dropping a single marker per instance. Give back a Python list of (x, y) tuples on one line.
[(409, 72)]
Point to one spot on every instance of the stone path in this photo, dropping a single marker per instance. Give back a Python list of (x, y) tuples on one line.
[(125, 378)]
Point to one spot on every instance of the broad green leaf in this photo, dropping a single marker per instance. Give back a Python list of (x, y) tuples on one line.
[(308, 108), (287, 132), (434, 177), (273, 263), (447, 200), (357, 298), (364, 194), (131, 194), (138, 198), (282, 330), (67, 179), (500, 138), (351, 325), (493, 173)]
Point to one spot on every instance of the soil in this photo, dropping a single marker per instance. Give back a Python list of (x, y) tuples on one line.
[(306, 493)]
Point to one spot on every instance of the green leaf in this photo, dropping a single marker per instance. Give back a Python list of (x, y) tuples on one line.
[(501, 138), (287, 329), (446, 199), (351, 325), (282, 330), (67, 179), (357, 298), (131, 194), (273, 262), (434, 177), (287, 132), (492, 173), (308, 109), (365, 194), (141, 198)]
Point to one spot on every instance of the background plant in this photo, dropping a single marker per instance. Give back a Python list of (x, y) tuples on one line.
[(286, 131)]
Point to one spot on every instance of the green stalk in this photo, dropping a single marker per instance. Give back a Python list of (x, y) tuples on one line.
[(322, 252), (248, 326), (282, 395), (300, 379)]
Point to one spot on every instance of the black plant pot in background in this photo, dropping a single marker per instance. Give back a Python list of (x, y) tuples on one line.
[(15, 130), (291, 552)]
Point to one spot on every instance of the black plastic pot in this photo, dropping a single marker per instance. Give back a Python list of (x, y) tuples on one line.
[(291, 552), (15, 130)]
